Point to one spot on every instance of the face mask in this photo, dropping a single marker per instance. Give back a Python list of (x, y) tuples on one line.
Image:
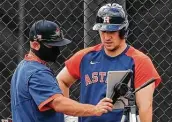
[(47, 54)]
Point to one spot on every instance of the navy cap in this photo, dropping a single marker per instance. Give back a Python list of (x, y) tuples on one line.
[(47, 32)]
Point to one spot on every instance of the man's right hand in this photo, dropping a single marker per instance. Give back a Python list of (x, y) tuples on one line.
[(70, 107), (103, 106)]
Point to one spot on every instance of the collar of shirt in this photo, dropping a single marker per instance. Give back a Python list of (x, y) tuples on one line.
[(32, 57)]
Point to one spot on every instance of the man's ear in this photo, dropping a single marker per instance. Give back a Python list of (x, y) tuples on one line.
[(35, 45)]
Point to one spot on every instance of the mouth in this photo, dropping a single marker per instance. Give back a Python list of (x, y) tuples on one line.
[(108, 43)]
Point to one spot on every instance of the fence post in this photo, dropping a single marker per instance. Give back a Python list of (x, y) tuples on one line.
[(21, 27), (87, 24)]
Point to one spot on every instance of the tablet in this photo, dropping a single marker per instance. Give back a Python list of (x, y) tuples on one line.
[(114, 77)]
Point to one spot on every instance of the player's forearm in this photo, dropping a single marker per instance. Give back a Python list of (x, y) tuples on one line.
[(145, 114), (71, 107), (144, 99), (65, 80), (64, 88)]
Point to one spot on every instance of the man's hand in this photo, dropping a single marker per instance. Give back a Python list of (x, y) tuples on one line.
[(103, 106), (70, 107)]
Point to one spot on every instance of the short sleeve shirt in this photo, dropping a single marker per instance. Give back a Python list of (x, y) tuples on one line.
[(33, 86)]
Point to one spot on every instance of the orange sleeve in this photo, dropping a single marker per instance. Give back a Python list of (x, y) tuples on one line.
[(44, 105), (145, 70), (73, 64)]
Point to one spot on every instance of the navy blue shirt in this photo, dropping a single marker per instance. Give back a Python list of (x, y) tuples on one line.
[(91, 65), (33, 86)]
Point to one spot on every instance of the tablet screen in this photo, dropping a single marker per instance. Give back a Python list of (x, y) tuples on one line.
[(114, 77)]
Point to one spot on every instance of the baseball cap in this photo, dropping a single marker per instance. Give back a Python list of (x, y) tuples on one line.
[(47, 32)]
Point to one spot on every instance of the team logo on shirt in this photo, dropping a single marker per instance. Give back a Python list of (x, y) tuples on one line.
[(94, 62), (95, 77)]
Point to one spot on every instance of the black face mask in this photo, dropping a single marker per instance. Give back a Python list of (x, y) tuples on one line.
[(47, 54)]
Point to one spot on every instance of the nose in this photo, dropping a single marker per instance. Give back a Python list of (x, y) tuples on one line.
[(106, 36)]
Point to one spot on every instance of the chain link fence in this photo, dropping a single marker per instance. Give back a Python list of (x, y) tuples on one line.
[(150, 31)]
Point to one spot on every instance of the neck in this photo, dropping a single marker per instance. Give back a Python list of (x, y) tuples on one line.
[(36, 58), (117, 51)]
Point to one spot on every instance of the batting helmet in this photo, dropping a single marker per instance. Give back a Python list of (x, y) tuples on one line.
[(111, 17), (47, 32)]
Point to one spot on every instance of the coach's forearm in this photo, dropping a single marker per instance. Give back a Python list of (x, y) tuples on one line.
[(71, 107), (145, 114)]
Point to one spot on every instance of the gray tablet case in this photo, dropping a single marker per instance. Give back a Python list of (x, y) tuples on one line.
[(114, 77)]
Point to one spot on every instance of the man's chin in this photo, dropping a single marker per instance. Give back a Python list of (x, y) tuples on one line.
[(111, 49)]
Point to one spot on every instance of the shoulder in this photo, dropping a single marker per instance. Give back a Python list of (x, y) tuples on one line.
[(33, 68), (136, 54), (73, 63), (87, 50), (30, 67), (34, 65)]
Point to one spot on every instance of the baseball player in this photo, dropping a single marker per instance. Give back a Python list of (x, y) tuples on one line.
[(35, 94), (91, 65)]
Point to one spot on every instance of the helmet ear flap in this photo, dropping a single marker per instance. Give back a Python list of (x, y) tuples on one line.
[(123, 33)]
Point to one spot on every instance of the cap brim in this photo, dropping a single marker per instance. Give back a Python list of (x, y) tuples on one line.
[(62, 42), (108, 27)]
